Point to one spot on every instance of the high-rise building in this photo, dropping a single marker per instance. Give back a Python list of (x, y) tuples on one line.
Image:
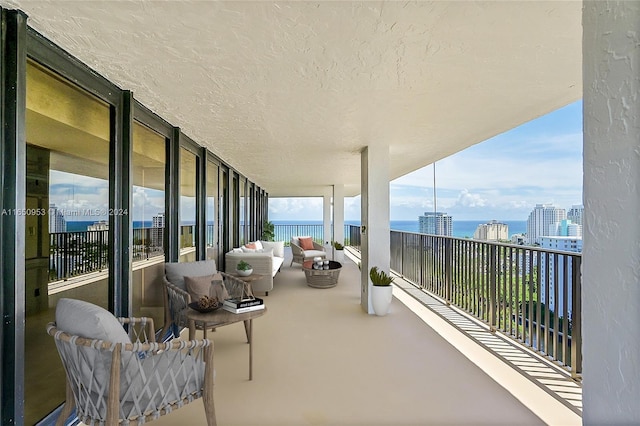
[(492, 231), (57, 223), (575, 214), (542, 220), (563, 270), (157, 230), (436, 223)]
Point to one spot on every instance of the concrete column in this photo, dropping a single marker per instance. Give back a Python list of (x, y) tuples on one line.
[(326, 221), (338, 213), (374, 217), (611, 254)]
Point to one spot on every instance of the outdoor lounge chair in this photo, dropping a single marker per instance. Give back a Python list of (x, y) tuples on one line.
[(115, 377), (300, 255), (177, 298)]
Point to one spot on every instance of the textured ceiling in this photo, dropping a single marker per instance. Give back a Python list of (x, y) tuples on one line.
[(288, 93)]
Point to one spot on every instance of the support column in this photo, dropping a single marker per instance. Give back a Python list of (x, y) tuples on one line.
[(338, 213), (611, 254), (374, 217), (326, 222)]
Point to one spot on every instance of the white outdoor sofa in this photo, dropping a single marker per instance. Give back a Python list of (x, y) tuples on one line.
[(266, 261)]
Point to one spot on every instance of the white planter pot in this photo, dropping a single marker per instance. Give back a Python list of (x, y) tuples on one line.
[(338, 255), (381, 299), (244, 273)]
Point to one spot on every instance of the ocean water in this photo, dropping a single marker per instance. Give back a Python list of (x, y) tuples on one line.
[(461, 228)]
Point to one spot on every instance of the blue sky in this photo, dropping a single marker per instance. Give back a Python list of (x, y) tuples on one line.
[(502, 178)]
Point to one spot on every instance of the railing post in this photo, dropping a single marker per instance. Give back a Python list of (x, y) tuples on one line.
[(448, 252), (493, 273), (576, 317)]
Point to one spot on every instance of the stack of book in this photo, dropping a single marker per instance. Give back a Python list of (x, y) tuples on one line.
[(237, 306)]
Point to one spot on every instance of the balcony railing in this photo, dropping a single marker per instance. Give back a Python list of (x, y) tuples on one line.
[(284, 232), (531, 294)]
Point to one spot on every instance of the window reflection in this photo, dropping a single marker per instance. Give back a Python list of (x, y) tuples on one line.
[(66, 237)]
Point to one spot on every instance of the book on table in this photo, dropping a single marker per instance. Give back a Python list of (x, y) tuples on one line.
[(243, 303), (241, 306)]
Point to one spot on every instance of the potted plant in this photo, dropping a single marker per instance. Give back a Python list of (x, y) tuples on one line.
[(268, 231), (381, 291), (244, 269), (338, 252)]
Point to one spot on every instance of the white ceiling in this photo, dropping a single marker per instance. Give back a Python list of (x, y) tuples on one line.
[(289, 93)]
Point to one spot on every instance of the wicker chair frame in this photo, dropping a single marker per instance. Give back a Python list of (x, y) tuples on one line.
[(146, 379)]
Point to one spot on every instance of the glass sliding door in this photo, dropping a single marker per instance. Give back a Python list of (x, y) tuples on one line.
[(148, 216), (188, 181), (243, 211), (66, 227)]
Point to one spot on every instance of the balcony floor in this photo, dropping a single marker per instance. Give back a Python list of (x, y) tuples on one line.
[(320, 360)]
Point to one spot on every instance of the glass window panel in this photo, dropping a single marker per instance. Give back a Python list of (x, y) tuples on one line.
[(212, 211), (243, 212), (187, 205), (148, 210), (66, 237)]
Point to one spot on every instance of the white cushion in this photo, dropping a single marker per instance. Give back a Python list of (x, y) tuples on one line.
[(314, 253), (277, 246), (176, 271), (258, 245), (84, 319), (236, 250), (247, 250)]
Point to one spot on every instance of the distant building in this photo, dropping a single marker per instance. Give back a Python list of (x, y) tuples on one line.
[(564, 243), (436, 223), (492, 231), (519, 239), (157, 230), (553, 267), (542, 221), (57, 223), (102, 225), (575, 214)]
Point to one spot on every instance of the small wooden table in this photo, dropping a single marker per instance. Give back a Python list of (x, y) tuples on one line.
[(248, 279), (220, 318)]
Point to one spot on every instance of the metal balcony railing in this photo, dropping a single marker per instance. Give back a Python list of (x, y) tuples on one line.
[(531, 294)]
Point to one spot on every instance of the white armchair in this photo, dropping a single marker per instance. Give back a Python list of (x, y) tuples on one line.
[(300, 255)]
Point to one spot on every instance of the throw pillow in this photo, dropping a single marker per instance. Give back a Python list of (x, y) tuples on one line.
[(306, 243), (200, 286), (251, 246), (277, 246), (258, 245), (175, 272), (248, 250)]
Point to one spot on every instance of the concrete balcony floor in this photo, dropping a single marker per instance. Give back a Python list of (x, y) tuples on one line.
[(320, 360)]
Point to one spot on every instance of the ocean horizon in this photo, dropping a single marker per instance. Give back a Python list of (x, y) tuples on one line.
[(461, 228)]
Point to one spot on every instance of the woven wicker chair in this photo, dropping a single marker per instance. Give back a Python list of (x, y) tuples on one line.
[(177, 299), (298, 255), (133, 383)]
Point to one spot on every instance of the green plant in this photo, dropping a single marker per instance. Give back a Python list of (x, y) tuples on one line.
[(243, 266), (268, 231), (379, 278), (337, 245)]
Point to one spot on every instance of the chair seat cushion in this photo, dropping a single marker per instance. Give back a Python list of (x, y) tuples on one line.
[(176, 271), (314, 253)]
